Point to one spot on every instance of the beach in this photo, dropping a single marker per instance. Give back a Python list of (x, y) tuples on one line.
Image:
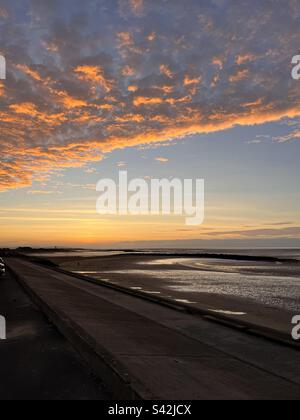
[(262, 291)]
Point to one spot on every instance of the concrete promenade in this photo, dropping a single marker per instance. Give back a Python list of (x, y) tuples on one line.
[(144, 350), (36, 361)]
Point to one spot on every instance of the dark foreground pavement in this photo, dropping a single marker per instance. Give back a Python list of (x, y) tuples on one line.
[(36, 361), (144, 350)]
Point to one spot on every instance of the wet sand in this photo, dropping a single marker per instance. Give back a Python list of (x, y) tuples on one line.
[(264, 293)]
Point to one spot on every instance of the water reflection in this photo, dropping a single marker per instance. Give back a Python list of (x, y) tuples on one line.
[(275, 291)]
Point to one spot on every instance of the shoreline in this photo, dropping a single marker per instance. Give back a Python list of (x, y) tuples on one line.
[(222, 256), (135, 272), (129, 271)]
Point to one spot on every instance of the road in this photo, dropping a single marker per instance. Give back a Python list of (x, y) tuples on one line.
[(145, 350)]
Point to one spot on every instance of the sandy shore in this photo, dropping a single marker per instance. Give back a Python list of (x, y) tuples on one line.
[(171, 278)]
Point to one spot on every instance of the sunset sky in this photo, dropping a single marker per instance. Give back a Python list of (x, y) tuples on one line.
[(161, 88)]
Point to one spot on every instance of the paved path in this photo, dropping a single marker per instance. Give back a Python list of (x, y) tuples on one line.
[(36, 362), (145, 350)]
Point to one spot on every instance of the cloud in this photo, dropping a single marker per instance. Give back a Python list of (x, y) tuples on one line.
[(281, 223), (137, 6), (287, 232), (42, 192), (162, 159), (121, 164), (85, 81), (91, 171), (288, 137), (3, 13), (245, 58), (132, 8), (239, 75), (95, 76), (259, 139)]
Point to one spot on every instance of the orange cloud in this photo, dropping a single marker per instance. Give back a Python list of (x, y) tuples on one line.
[(152, 37), (189, 81), (2, 89), (128, 71), (94, 75), (142, 100), (245, 58), (240, 75), (130, 118), (216, 61), (253, 104), (125, 39), (20, 171), (41, 192), (127, 45), (52, 47), (101, 92), (32, 73), (133, 88), (166, 71), (137, 6), (69, 102), (288, 137), (162, 159), (30, 110), (24, 108)]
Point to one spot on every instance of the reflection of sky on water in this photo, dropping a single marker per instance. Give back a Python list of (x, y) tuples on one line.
[(212, 264), (280, 292), (229, 266), (220, 311), (272, 284)]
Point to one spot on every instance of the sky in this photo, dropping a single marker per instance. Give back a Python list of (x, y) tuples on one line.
[(160, 88)]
